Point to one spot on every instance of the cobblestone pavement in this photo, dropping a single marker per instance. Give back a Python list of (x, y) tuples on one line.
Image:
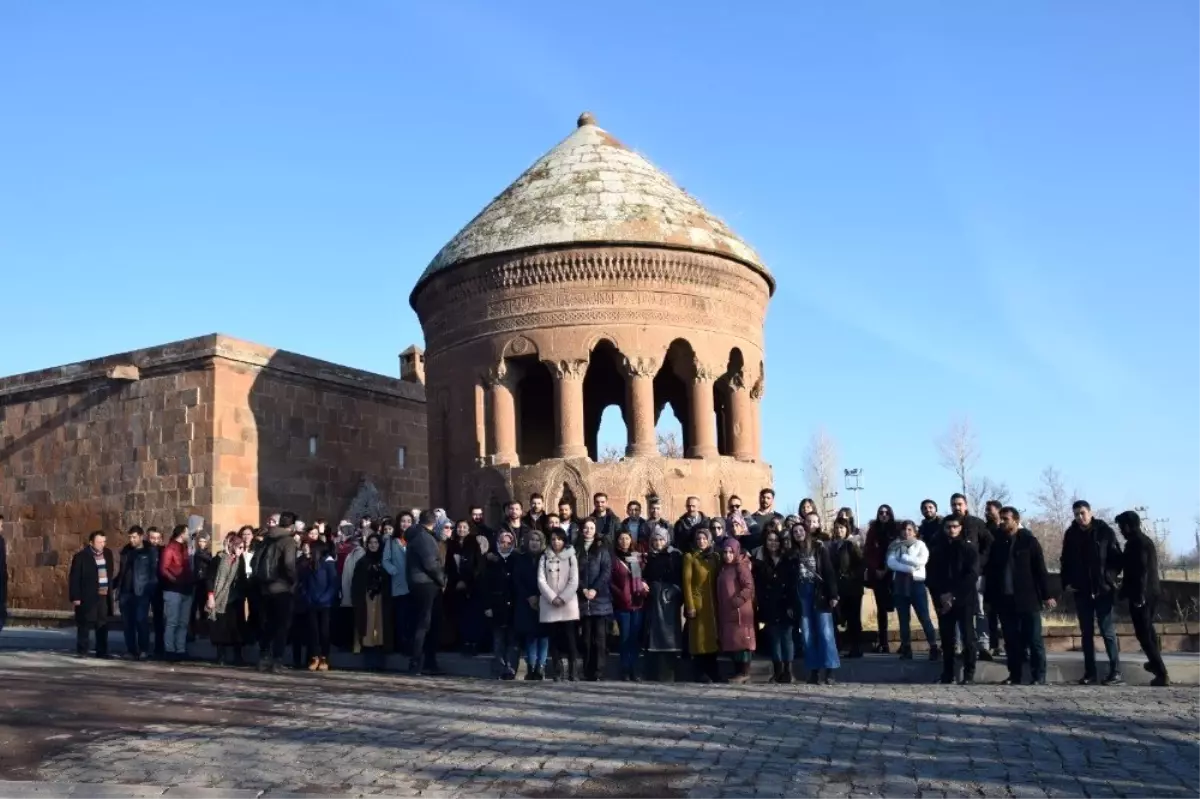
[(145, 724)]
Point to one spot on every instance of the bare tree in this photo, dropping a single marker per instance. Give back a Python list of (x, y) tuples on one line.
[(984, 489), (610, 454), (1052, 500), (669, 445), (958, 450), (820, 470)]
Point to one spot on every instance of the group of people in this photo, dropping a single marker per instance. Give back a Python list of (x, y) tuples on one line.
[(555, 589)]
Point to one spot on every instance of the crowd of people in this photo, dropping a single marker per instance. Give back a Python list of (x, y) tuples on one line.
[(557, 589)]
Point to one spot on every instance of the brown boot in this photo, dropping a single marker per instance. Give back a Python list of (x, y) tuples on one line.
[(314, 664), (323, 665)]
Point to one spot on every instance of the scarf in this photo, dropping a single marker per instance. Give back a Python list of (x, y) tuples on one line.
[(101, 572)]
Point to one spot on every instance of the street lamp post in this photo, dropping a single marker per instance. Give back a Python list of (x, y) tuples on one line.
[(854, 483)]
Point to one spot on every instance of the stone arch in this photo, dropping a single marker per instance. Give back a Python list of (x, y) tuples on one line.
[(733, 378), (671, 385), (643, 481), (565, 480), (520, 347), (533, 400), (603, 386)]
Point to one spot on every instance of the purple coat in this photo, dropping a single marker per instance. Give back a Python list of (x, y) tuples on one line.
[(735, 605)]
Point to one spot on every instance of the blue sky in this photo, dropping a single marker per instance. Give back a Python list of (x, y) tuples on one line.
[(989, 211)]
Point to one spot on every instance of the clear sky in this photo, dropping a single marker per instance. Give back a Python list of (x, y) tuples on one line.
[(990, 211)]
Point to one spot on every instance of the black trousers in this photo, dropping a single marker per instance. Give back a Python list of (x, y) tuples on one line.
[(95, 621), (318, 632), (160, 624), (1143, 627), (276, 611), (562, 639), (883, 604), (1022, 636), (427, 622), (595, 646), (850, 609), (964, 619)]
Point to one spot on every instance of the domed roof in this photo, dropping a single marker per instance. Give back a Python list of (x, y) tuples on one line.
[(592, 189)]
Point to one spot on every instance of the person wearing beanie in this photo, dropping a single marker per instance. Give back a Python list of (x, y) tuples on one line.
[(735, 607)]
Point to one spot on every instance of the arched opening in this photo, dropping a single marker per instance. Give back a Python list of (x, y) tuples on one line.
[(611, 436), (723, 400), (534, 402), (567, 496), (603, 386), (671, 386), (668, 433)]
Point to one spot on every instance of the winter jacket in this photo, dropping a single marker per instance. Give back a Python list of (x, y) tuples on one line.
[(1091, 559), (1139, 561), (520, 531), (699, 597), (524, 586), (175, 569), (542, 522), (323, 586), (774, 587), (932, 532), (201, 564), (1030, 584), (879, 538), (975, 530), (954, 569), (558, 577), (735, 605), (849, 565), (498, 587), (826, 584), (663, 624), (759, 521), (370, 584), (395, 563), (607, 525), (83, 585), (595, 573), (304, 570), (139, 571), (629, 587), (348, 567), (423, 561), (684, 532), (908, 557), (280, 543)]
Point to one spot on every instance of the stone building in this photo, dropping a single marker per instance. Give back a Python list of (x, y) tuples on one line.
[(213, 427), (593, 281)]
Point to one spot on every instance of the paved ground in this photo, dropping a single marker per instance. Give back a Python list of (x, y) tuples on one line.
[(68, 721)]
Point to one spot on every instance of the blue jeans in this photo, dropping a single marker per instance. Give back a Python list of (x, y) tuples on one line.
[(916, 598), (1090, 610), (630, 624), (537, 651), (779, 635), (177, 608), (135, 617), (816, 629)]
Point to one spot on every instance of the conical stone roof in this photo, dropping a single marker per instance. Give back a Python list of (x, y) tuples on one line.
[(592, 189)]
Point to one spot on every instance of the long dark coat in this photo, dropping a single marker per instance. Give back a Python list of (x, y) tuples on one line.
[(524, 582), (774, 587), (369, 574), (497, 592), (663, 625), (84, 586), (735, 605), (595, 572)]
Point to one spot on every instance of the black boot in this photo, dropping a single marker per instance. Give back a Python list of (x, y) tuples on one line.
[(814, 677), (220, 656), (560, 670), (829, 677), (571, 670), (785, 676), (776, 671)]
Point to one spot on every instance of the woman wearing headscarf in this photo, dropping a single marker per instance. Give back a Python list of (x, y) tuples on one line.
[(848, 564), (371, 592), (699, 594), (351, 553), (739, 528), (629, 592), (225, 602), (595, 598), (735, 608), (663, 575), (816, 598), (880, 535), (558, 601), (499, 602), (526, 601), (775, 595)]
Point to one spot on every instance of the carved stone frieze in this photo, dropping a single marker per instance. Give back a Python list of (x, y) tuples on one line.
[(703, 372), (568, 369), (637, 366)]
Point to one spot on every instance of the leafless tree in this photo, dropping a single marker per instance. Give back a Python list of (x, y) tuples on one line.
[(958, 450), (820, 469), (669, 445), (1052, 500), (610, 454), (983, 489)]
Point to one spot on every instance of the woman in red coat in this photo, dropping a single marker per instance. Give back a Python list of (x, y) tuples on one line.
[(735, 608)]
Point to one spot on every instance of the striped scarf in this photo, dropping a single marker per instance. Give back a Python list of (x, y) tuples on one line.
[(101, 572)]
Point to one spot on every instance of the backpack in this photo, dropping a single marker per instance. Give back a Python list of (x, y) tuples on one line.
[(264, 566)]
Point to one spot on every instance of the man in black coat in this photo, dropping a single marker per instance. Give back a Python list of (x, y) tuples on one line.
[(89, 587), (607, 522), (952, 577), (975, 530), (1017, 588), (1091, 563), (687, 524), (991, 519), (1140, 588), (3, 576), (514, 523), (426, 581)]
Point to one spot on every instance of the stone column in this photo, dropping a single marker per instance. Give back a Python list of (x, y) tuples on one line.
[(568, 407), (756, 394), (704, 415), (504, 416), (639, 396), (741, 427)]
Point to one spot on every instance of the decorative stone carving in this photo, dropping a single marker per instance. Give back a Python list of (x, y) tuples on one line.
[(574, 369), (737, 380), (703, 372), (494, 375), (520, 346), (758, 389), (641, 367)]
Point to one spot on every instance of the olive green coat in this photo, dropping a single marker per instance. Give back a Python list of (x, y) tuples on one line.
[(700, 598)]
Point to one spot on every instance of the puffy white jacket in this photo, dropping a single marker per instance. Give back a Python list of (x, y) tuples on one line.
[(909, 557), (558, 576)]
